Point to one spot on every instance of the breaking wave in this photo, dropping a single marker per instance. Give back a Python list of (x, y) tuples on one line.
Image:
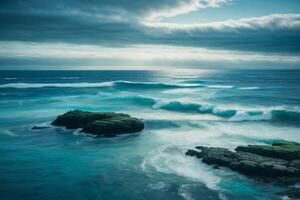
[(117, 84), (265, 114), (152, 85), (274, 114), (249, 88)]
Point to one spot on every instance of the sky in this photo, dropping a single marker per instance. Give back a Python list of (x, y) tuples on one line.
[(149, 34)]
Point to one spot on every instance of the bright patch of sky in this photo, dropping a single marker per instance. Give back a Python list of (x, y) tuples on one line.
[(237, 9)]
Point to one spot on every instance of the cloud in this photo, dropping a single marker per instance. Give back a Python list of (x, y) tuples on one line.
[(122, 8), (271, 22), (183, 7), (114, 32), (75, 55), (273, 33)]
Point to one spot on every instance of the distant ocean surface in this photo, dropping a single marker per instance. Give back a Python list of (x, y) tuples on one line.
[(180, 109)]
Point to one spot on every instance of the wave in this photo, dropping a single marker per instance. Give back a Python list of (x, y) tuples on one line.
[(117, 84), (249, 88), (286, 116), (137, 100), (219, 86), (70, 77), (12, 78), (275, 114), (59, 85), (152, 85), (176, 106), (251, 116), (121, 85), (193, 107), (8, 133)]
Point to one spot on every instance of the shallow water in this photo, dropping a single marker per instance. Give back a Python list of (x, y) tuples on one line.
[(180, 109)]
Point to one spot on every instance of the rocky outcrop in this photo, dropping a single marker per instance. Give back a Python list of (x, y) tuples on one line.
[(277, 163), (107, 124)]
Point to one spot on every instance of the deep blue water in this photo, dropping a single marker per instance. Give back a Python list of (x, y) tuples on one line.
[(181, 109)]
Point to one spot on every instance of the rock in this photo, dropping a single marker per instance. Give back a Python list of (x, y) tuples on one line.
[(216, 167), (278, 163), (193, 153), (39, 127), (285, 150), (108, 124), (114, 126), (293, 193)]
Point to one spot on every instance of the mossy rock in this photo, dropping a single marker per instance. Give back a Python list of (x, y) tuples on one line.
[(282, 150), (277, 163), (99, 123), (111, 128)]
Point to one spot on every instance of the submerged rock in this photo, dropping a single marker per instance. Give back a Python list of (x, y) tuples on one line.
[(292, 193), (277, 163), (108, 124), (39, 127)]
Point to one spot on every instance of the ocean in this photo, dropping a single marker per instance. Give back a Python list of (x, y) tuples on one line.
[(180, 109)]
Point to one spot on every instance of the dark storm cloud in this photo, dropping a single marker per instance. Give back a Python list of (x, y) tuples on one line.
[(126, 8), (121, 23), (66, 28)]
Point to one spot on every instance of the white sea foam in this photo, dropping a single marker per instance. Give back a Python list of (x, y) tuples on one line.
[(160, 185), (159, 104), (183, 191), (205, 107), (160, 83), (8, 133), (78, 132), (220, 86), (12, 78), (42, 125), (171, 160), (249, 88), (247, 116), (70, 77)]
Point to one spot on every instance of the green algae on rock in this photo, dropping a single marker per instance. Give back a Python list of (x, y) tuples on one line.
[(108, 124), (284, 150), (278, 163)]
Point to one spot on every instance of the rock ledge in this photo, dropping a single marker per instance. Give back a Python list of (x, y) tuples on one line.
[(278, 163)]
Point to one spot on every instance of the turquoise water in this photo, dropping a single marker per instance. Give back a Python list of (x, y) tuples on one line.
[(180, 109)]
